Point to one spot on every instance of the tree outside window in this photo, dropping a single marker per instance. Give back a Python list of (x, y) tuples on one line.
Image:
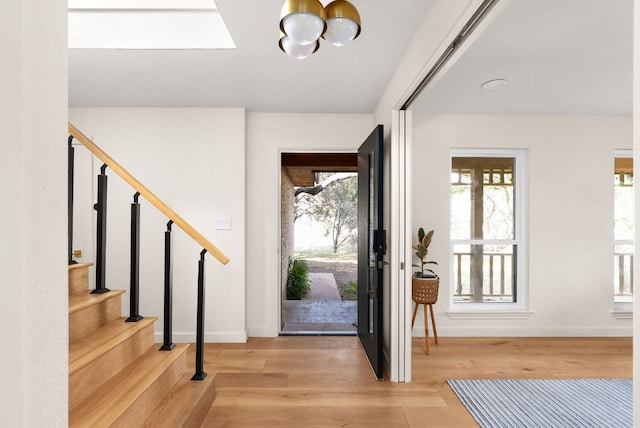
[(483, 233), (624, 229)]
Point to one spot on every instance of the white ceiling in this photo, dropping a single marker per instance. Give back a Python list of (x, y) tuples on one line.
[(256, 75), (559, 56)]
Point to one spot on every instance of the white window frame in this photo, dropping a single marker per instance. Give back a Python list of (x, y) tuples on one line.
[(622, 310), (507, 310)]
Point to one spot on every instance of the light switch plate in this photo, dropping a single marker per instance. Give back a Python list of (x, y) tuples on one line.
[(223, 223)]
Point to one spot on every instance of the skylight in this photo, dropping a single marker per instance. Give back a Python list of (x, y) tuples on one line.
[(147, 24)]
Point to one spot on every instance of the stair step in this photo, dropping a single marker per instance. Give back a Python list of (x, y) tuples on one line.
[(187, 405), (97, 356), (79, 278), (88, 312), (129, 398)]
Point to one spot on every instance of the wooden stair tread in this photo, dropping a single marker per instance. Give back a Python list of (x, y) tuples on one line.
[(91, 346), (186, 405), (114, 398), (78, 302), (78, 278), (79, 266)]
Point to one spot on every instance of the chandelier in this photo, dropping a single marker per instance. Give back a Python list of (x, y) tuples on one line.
[(303, 22)]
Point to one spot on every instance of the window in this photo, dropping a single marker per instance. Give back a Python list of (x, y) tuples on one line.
[(624, 223), (486, 221)]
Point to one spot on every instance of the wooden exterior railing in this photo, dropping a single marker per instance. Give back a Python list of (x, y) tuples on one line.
[(497, 277), (148, 195)]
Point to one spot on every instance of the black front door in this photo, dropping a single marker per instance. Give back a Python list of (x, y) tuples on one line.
[(371, 248)]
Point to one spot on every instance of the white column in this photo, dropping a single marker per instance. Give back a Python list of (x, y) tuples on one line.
[(33, 307), (636, 161)]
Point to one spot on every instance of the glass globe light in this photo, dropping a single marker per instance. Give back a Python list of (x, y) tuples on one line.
[(343, 22), (302, 20), (340, 31), (303, 28), (297, 50)]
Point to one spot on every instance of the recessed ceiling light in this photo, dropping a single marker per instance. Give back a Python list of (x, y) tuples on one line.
[(490, 85)]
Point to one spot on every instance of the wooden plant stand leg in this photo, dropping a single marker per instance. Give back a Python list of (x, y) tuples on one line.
[(433, 323), (415, 311), (426, 329)]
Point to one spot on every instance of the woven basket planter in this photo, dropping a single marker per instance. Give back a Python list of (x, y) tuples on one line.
[(425, 290)]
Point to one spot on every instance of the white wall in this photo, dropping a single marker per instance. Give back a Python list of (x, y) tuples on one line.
[(636, 157), (570, 216), (269, 134), (193, 160), (34, 305), (208, 144)]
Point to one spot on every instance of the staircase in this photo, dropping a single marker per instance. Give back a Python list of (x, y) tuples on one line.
[(117, 374)]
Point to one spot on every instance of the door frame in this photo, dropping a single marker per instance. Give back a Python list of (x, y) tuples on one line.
[(397, 328), (281, 150), (398, 352)]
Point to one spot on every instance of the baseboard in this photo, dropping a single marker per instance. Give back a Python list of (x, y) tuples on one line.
[(529, 332), (393, 375), (262, 332)]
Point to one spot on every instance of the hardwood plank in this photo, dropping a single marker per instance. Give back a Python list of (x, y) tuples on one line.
[(91, 311), (293, 365), (78, 266), (336, 388), (452, 416), (278, 354), (226, 366), (90, 347), (94, 359), (343, 379), (252, 380), (186, 405), (312, 416), (83, 301), (130, 397), (79, 278), (327, 397), (298, 342)]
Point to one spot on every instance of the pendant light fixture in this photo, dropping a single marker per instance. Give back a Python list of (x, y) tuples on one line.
[(343, 23), (297, 50), (303, 22)]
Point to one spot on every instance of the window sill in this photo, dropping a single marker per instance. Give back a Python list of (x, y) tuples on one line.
[(622, 315), (496, 315)]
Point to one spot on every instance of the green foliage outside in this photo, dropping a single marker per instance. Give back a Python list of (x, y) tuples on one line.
[(297, 279), (336, 208), (349, 291)]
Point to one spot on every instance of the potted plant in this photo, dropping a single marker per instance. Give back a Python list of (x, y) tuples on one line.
[(422, 249), (425, 281), (424, 284)]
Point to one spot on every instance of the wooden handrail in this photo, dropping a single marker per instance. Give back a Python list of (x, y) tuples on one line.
[(148, 195)]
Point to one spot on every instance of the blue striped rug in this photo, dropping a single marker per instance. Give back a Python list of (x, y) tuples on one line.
[(552, 403)]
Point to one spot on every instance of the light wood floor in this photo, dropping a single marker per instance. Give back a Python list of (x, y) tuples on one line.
[(326, 381)]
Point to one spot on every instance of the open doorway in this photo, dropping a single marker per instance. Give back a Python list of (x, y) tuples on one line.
[(319, 243)]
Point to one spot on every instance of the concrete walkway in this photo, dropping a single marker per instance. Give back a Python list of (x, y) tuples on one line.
[(323, 287)]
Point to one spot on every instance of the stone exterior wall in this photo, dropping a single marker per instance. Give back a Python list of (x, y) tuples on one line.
[(287, 217)]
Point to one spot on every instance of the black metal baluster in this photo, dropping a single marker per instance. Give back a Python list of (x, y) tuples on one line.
[(101, 239), (200, 374), (70, 167), (167, 343), (134, 287)]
